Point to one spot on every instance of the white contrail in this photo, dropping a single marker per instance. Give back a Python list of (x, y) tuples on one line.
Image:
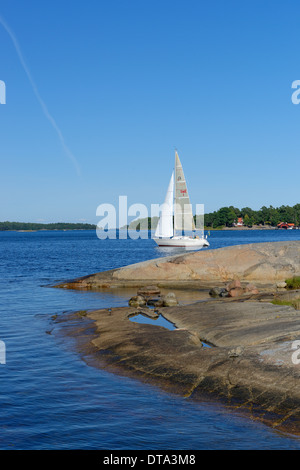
[(36, 92)]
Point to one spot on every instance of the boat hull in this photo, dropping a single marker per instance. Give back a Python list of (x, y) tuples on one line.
[(188, 242)]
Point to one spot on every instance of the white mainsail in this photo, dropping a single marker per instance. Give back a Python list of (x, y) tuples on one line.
[(177, 206), (183, 215), (164, 228)]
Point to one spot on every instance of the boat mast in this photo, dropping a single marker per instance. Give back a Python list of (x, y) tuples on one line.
[(174, 199)]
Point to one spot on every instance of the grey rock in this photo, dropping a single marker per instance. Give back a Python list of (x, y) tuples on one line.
[(224, 293), (148, 291), (281, 285), (217, 292), (262, 374), (156, 302), (235, 284), (169, 300), (261, 263), (137, 301)]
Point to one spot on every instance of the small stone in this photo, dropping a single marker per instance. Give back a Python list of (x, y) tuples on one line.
[(251, 288), (148, 291), (224, 293), (137, 301), (236, 292), (216, 291), (155, 301), (281, 285), (235, 284), (169, 300)]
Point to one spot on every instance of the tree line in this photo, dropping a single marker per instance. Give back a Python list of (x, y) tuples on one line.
[(227, 216), (224, 217), (4, 226)]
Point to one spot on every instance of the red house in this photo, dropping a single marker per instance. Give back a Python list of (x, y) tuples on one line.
[(239, 222), (285, 226)]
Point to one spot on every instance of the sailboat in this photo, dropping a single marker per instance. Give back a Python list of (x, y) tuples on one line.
[(176, 215)]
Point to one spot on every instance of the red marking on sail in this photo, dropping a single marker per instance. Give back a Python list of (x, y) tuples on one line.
[(183, 191)]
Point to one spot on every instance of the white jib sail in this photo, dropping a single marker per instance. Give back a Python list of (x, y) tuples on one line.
[(164, 227), (183, 215)]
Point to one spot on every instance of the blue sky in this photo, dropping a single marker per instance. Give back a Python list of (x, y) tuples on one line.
[(127, 82)]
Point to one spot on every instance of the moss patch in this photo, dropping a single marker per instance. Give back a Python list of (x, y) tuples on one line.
[(291, 303), (293, 283)]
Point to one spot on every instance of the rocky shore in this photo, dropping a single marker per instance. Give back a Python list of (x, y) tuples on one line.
[(263, 263), (252, 362)]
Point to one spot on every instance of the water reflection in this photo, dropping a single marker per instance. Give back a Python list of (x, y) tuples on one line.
[(160, 321)]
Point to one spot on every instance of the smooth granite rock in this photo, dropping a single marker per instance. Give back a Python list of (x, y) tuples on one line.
[(249, 365), (258, 263)]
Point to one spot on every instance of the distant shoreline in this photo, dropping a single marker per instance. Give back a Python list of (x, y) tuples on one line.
[(48, 230), (210, 229), (255, 227), (91, 227), (35, 226)]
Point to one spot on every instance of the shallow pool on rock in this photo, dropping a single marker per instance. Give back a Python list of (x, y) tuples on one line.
[(160, 321)]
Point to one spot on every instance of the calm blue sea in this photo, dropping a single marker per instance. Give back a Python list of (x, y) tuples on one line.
[(51, 399)]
